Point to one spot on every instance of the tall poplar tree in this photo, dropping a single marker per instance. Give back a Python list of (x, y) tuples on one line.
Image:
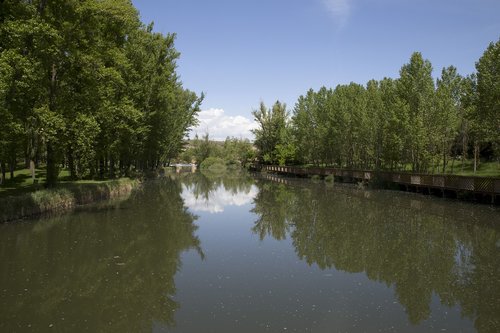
[(416, 88), (488, 94)]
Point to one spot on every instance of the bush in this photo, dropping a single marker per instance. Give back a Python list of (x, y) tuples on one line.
[(213, 164)]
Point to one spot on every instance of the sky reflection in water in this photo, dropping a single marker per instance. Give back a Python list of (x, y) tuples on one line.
[(207, 253)]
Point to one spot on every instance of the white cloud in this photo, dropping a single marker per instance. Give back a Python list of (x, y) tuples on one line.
[(340, 10), (217, 199), (219, 126)]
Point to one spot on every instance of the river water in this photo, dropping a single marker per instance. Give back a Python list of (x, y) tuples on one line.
[(236, 253)]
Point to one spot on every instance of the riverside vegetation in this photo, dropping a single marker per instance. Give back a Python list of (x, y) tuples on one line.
[(86, 86), (88, 90), (88, 93), (413, 123), (63, 198)]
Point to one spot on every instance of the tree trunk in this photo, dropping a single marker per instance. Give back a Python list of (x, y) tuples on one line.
[(71, 165), (464, 149), (11, 169), (52, 163), (444, 158), (453, 162), (101, 168), (52, 166), (32, 169), (112, 167), (2, 172), (41, 6), (476, 155)]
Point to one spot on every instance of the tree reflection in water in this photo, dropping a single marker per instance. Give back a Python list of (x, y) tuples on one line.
[(415, 245), (106, 271)]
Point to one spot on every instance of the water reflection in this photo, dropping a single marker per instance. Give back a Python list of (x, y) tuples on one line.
[(209, 192), (136, 266), (418, 247), (111, 270)]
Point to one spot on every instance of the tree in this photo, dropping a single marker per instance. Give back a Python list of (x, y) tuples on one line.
[(272, 122), (85, 85), (202, 149), (476, 130), (448, 99), (416, 88), (488, 93)]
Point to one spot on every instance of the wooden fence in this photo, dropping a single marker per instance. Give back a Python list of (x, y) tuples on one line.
[(484, 185)]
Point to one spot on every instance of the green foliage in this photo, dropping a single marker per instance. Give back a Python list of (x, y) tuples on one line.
[(488, 94), (202, 149), (65, 196), (238, 151), (85, 84), (409, 123), (272, 132), (235, 153), (213, 164)]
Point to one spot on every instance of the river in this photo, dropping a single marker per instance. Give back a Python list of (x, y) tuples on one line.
[(238, 253)]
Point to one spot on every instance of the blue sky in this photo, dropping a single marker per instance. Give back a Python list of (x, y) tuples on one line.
[(240, 52)]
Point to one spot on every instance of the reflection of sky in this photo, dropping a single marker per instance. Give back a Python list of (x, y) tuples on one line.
[(217, 199)]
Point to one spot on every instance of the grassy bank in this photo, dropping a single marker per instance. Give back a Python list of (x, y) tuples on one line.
[(485, 169), (30, 201)]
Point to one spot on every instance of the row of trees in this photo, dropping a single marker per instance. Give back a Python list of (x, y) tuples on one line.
[(393, 123), (231, 152), (84, 84)]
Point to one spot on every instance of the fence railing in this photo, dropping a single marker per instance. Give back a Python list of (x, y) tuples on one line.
[(487, 185)]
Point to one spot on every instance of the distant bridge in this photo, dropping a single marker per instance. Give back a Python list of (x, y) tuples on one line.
[(180, 167)]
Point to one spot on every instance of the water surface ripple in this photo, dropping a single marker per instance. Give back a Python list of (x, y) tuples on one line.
[(235, 253)]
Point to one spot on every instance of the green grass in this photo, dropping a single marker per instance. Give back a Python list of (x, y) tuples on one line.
[(485, 169), (23, 183), (25, 201)]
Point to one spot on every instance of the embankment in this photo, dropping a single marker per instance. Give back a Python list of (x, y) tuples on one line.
[(63, 198)]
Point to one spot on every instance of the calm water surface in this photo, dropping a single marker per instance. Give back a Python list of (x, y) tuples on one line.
[(207, 253)]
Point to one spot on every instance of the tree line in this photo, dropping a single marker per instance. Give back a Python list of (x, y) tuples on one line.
[(233, 152), (411, 122), (85, 85)]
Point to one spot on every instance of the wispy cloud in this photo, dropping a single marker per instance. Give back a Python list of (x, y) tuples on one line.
[(219, 125), (339, 9)]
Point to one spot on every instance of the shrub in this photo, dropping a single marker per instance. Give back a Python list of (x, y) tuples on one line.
[(213, 164)]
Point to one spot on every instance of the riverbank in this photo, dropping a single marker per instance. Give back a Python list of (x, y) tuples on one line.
[(480, 189), (64, 197)]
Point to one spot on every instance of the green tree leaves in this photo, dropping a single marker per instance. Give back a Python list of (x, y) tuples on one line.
[(488, 92), (271, 132), (411, 123), (85, 85)]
